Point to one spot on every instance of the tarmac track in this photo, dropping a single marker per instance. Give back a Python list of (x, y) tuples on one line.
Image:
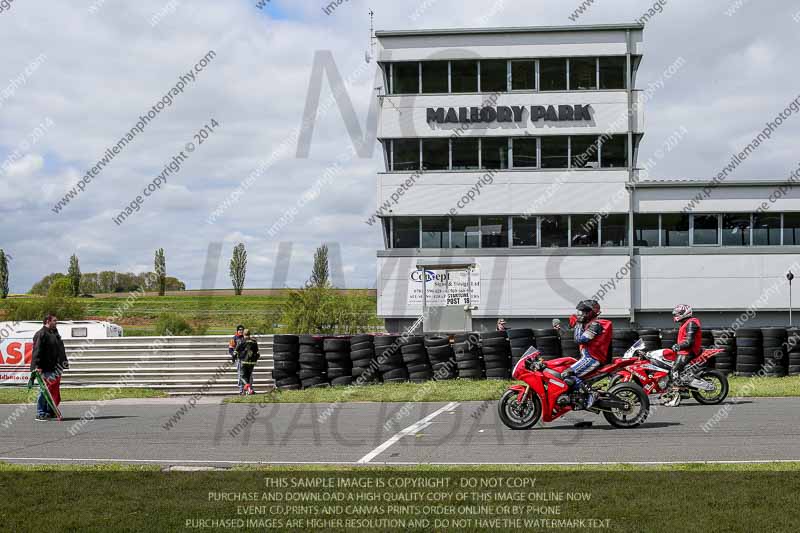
[(134, 431)]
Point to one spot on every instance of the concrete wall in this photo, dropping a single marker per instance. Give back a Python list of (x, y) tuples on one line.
[(508, 44)]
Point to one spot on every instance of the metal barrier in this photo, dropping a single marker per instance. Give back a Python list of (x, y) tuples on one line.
[(176, 365)]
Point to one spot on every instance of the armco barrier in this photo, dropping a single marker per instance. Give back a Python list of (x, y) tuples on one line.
[(176, 365)]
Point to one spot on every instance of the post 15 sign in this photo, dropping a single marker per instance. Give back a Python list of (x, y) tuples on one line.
[(468, 115)]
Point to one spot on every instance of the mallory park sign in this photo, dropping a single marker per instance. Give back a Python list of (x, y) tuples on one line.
[(514, 113)]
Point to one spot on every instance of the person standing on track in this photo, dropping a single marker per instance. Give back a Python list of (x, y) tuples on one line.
[(49, 358), (233, 345), (247, 355)]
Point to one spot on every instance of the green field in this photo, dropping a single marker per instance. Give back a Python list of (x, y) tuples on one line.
[(217, 310), (461, 498), (462, 390), (23, 395)]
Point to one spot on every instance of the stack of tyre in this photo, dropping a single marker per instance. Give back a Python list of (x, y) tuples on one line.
[(749, 351), (707, 341), (496, 354), (362, 355), (468, 355), (569, 348), (286, 362), (416, 359), (651, 339), (669, 337), (312, 362), (390, 359), (621, 340), (775, 356), (519, 340), (337, 357), (725, 361), (442, 358), (548, 342), (793, 344)]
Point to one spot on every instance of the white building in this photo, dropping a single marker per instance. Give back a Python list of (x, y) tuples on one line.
[(514, 151)]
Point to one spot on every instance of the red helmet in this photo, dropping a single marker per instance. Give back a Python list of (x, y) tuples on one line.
[(681, 312)]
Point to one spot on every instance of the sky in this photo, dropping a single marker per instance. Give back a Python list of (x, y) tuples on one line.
[(77, 76)]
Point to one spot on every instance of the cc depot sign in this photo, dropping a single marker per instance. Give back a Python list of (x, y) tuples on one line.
[(445, 287), (514, 113)]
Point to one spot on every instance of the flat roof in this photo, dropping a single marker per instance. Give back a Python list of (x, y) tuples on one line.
[(510, 29), (693, 183)]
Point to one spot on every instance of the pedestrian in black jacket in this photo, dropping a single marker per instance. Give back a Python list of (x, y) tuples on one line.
[(49, 358), (247, 355)]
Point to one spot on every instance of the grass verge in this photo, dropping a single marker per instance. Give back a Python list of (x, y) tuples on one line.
[(23, 395), (462, 390), (424, 498)]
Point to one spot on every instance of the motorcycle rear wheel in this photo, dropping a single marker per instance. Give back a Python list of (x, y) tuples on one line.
[(721, 388), (639, 408), (518, 415)]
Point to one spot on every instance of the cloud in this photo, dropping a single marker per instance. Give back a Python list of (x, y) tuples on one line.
[(105, 69)]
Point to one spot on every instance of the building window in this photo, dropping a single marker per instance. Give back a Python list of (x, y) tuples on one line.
[(612, 72), (405, 78), (585, 230), (494, 76), (791, 229), (584, 152), (614, 230), (645, 230), (524, 231), (675, 230), (614, 151), (435, 77), (525, 153), (555, 231), (405, 154), (583, 74), (494, 153), (464, 76), (706, 230), (466, 232), (494, 232), (435, 232), (465, 154), (387, 231), (555, 152), (767, 229), (736, 229), (553, 74), (523, 75), (406, 232), (435, 154)]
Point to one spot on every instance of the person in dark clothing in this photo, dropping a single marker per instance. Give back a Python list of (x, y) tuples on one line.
[(247, 354), (234, 343), (49, 358)]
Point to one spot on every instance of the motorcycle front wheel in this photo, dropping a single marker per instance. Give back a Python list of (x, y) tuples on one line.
[(721, 387), (638, 406), (516, 414)]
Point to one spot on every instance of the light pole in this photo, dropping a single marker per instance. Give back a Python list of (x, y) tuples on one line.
[(790, 277)]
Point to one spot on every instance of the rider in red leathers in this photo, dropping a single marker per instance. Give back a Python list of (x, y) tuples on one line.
[(690, 342), (593, 336)]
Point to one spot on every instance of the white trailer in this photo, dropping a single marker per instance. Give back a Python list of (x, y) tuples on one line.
[(16, 343)]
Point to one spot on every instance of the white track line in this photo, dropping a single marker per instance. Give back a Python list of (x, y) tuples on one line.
[(410, 430), (399, 463)]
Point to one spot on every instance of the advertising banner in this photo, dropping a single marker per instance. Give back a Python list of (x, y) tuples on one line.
[(15, 360), (445, 287)]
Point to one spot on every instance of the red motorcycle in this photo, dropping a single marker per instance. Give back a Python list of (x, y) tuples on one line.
[(651, 370), (546, 396)]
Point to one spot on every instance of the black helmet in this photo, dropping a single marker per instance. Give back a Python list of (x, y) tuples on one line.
[(240, 327), (587, 311)]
